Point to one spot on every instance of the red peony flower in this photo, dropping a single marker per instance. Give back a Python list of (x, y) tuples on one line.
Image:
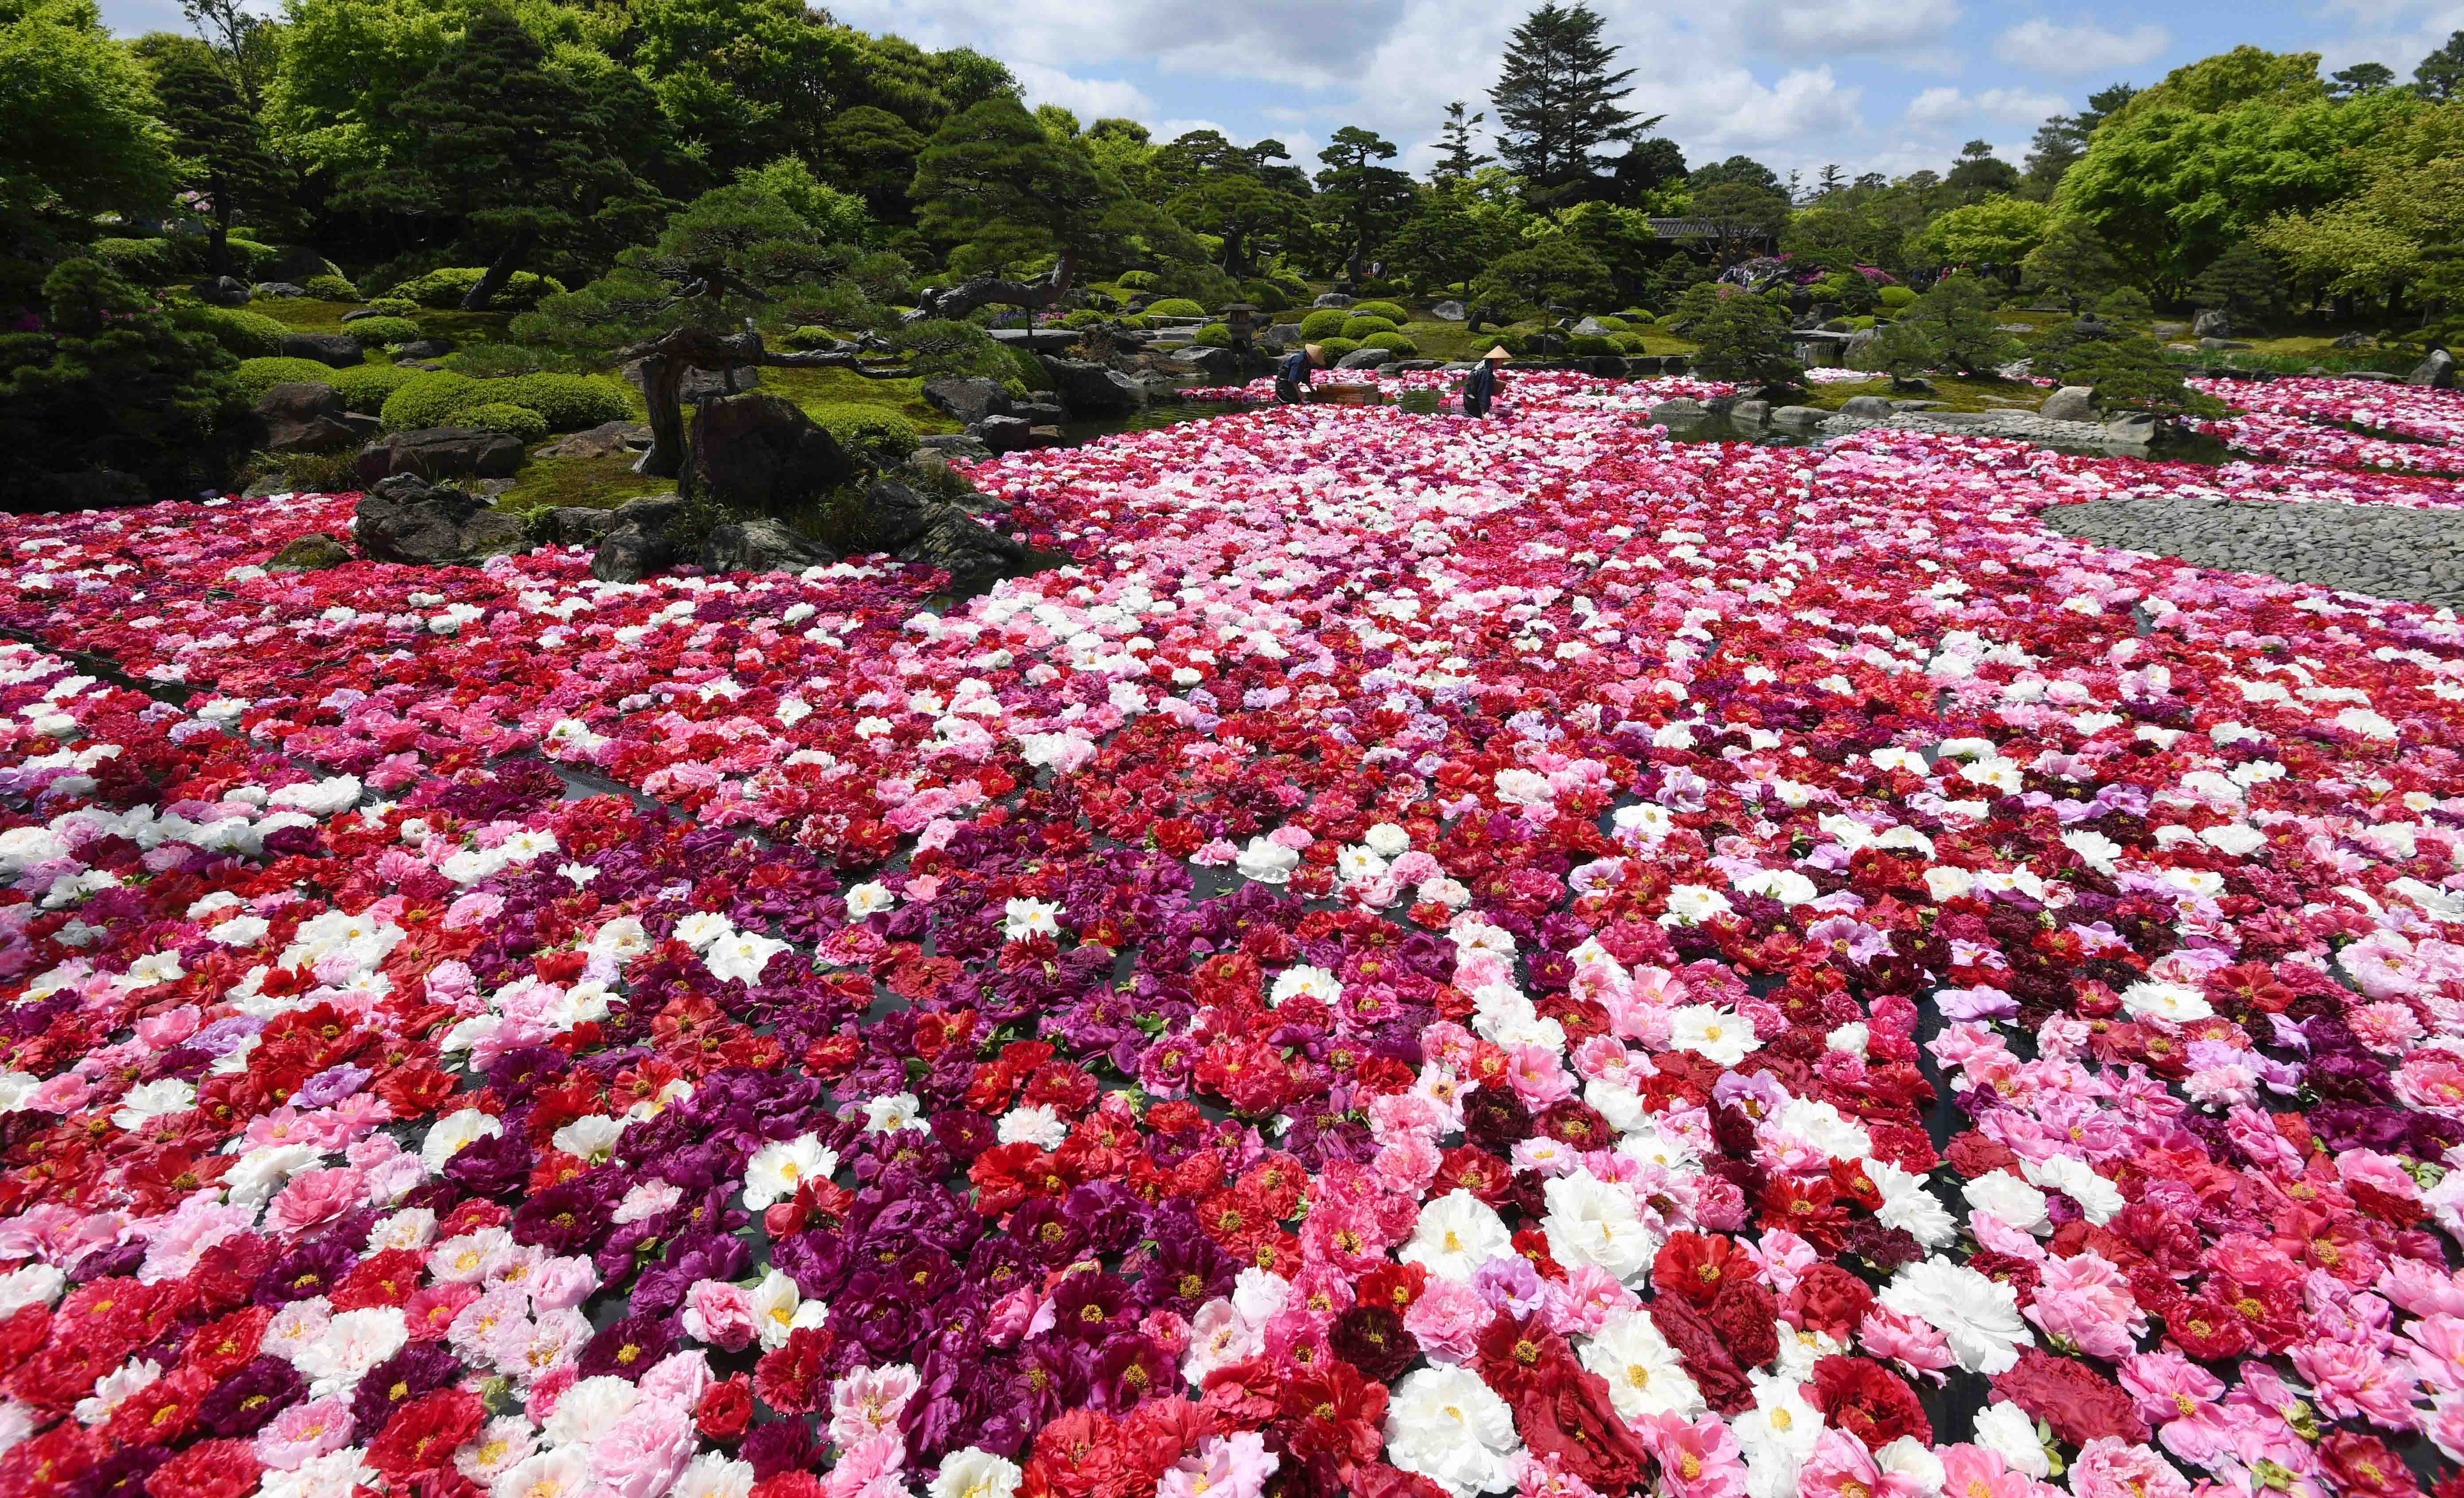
[(1867, 1401)]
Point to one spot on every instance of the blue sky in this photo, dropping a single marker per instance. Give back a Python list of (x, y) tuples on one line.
[(1888, 85)]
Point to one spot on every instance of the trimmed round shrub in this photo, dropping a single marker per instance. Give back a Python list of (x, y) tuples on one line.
[(1324, 323), (1633, 315), (1896, 297), (519, 422), (1336, 348), (1175, 307), (446, 287), (1265, 296), (249, 335), (1395, 342), (1590, 343), (432, 398), (1082, 317), (377, 332), (248, 257), (256, 376), (1357, 327), (569, 402), (874, 433), (1629, 342), (1215, 335), (1027, 370), (1137, 280), (393, 306), (137, 260), (1379, 309), (1613, 324), (365, 389), (330, 288)]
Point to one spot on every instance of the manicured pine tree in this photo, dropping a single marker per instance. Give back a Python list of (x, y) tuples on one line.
[(221, 149), (1456, 158)]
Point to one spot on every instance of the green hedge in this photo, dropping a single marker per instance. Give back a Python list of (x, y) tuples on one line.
[(1379, 309), (1265, 296), (446, 287), (256, 376), (330, 288), (365, 388), (247, 335), (1324, 323), (570, 403), (1590, 343), (1137, 280), (377, 332), (140, 259), (1399, 342), (1175, 307), (1357, 327), (1896, 297), (1336, 348), (393, 306), (519, 422), (1215, 335), (874, 433)]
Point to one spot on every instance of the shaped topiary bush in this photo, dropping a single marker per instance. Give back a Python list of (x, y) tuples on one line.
[(247, 335), (874, 433), (446, 287), (1388, 310), (256, 376), (378, 332), (1137, 280), (330, 288), (1175, 307), (393, 306), (569, 402), (1323, 324), (1396, 342), (432, 399), (1357, 327), (519, 422), (1215, 335), (366, 388), (1336, 348)]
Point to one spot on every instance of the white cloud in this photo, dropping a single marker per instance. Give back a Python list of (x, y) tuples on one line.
[(2062, 50), (1088, 99), (1942, 105), (1843, 27)]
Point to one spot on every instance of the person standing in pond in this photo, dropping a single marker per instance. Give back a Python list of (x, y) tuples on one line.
[(1296, 373), (1480, 387)]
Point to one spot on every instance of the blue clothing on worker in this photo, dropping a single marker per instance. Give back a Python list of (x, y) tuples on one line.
[(1479, 389), (1296, 371)]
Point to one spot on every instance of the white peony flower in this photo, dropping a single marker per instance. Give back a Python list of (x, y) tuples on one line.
[(1455, 1235), (1023, 919), (1450, 1427), (1591, 1221), (2151, 999), (2005, 1430), (971, 1473), (1716, 1034), (778, 1169), (2097, 1198), (1645, 1374), (2010, 1198), (1977, 1315)]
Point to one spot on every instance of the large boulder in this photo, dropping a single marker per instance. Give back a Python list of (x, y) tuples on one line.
[(760, 546), (969, 399), (709, 385), (1448, 312), (639, 539), (1092, 389), (1285, 335), (974, 557), (405, 519), (313, 552), (304, 416), (1331, 299), (435, 453), (2352, 340), (1591, 328), (760, 454), (1003, 434), (1799, 418), (1680, 410), (1365, 358), (572, 525), (1214, 363), (2070, 403), (1867, 408), (419, 350), (223, 290), (2438, 372), (337, 349), (277, 289), (607, 439), (2212, 322)]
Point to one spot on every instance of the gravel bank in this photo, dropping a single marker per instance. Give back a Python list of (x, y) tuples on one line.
[(2382, 550)]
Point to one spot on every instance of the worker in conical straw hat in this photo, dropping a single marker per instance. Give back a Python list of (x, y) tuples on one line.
[(1479, 388), (1293, 376)]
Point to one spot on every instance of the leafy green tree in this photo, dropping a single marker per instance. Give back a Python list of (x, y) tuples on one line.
[(2243, 281), (78, 135), (741, 81), (1903, 350), (1122, 147), (1858, 234), (834, 217), (2071, 263), (1368, 200), (2361, 77), (2441, 74), (242, 41), (333, 106), (1001, 193), (1456, 158), (1742, 169), (1452, 237), (1958, 316), (1999, 232), (1651, 171), (110, 382), (1739, 337), (2216, 150), (1556, 99), (1621, 239), (873, 153), (513, 152), (2126, 370), (1551, 271), (221, 149)]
